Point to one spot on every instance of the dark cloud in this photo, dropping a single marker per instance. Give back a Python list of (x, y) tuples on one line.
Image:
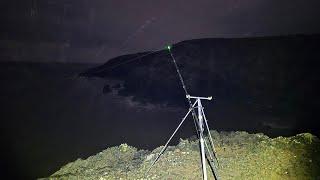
[(122, 27)]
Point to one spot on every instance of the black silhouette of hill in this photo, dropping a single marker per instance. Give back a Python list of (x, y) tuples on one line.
[(277, 76)]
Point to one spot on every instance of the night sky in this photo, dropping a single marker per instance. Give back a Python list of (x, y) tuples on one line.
[(61, 101), (106, 29)]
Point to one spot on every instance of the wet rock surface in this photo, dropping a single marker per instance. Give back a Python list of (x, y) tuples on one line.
[(241, 156)]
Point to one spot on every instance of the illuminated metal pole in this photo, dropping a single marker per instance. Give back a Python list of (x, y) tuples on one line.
[(201, 129), (200, 124)]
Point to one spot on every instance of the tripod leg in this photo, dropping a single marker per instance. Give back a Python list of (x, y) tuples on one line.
[(166, 145), (201, 128), (208, 150), (210, 137), (213, 168), (211, 162), (203, 159)]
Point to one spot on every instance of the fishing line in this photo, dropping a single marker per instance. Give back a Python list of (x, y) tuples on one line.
[(134, 59), (128, 61)]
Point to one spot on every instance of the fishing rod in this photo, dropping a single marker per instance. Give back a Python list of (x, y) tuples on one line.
[(201, 125), (195, 118)]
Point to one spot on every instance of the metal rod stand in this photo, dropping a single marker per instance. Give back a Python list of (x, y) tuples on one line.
[(201, 126)]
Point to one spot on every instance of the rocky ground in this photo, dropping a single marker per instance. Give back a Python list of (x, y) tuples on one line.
[(241, 156)]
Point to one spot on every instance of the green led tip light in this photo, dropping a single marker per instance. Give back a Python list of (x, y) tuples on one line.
[(169, 48)]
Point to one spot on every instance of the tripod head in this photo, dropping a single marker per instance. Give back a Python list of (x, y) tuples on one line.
[(196, 97)]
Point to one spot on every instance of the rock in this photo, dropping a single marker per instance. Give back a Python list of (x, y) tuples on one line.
[(149, 157), (241, 156), (123, 147)]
